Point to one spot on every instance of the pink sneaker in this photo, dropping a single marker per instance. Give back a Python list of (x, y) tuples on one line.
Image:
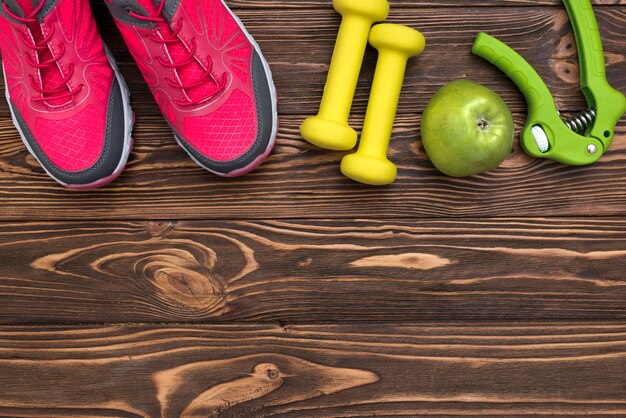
[(208, 76), (67, 98)]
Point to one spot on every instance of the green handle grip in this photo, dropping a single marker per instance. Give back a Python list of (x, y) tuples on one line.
[(531, 85), (588, 40), (542, 110), (565, 146), (610, 104)]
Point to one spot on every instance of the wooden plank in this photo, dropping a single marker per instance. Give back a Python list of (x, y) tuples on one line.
[(313, 271), (298, 43), (300, 181), (301, 4), (493, 369), (161, 182)]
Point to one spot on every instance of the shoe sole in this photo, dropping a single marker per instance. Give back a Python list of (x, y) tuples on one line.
[(270, 82), (128, 127)]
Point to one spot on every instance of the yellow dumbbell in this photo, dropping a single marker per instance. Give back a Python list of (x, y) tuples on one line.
[(395, 45), (330, 129)]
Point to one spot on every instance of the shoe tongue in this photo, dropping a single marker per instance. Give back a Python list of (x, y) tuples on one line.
[(149, 6), (51, 76), (189, 73), (27, 6)]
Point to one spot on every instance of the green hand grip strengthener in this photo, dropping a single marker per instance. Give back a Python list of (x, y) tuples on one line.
[(584, 138)]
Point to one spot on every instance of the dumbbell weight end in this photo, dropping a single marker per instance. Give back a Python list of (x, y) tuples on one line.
[(396, 44), (330, 129), (328, 134)]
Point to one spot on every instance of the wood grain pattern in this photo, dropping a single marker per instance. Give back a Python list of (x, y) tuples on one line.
[(313, 271), (491, 369), (300, 181), (301, 4), (262, 261), (298, 43)]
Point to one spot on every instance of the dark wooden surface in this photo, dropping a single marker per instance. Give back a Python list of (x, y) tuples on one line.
[(487, 369), (294, 292)]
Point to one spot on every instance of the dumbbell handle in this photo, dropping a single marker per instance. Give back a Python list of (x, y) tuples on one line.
[(383, 103), (345, 68)]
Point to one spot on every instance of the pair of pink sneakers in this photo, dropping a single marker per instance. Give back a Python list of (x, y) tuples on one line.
[(71, 105)]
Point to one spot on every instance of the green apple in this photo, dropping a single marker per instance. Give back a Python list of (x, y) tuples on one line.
[(467, 129)]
